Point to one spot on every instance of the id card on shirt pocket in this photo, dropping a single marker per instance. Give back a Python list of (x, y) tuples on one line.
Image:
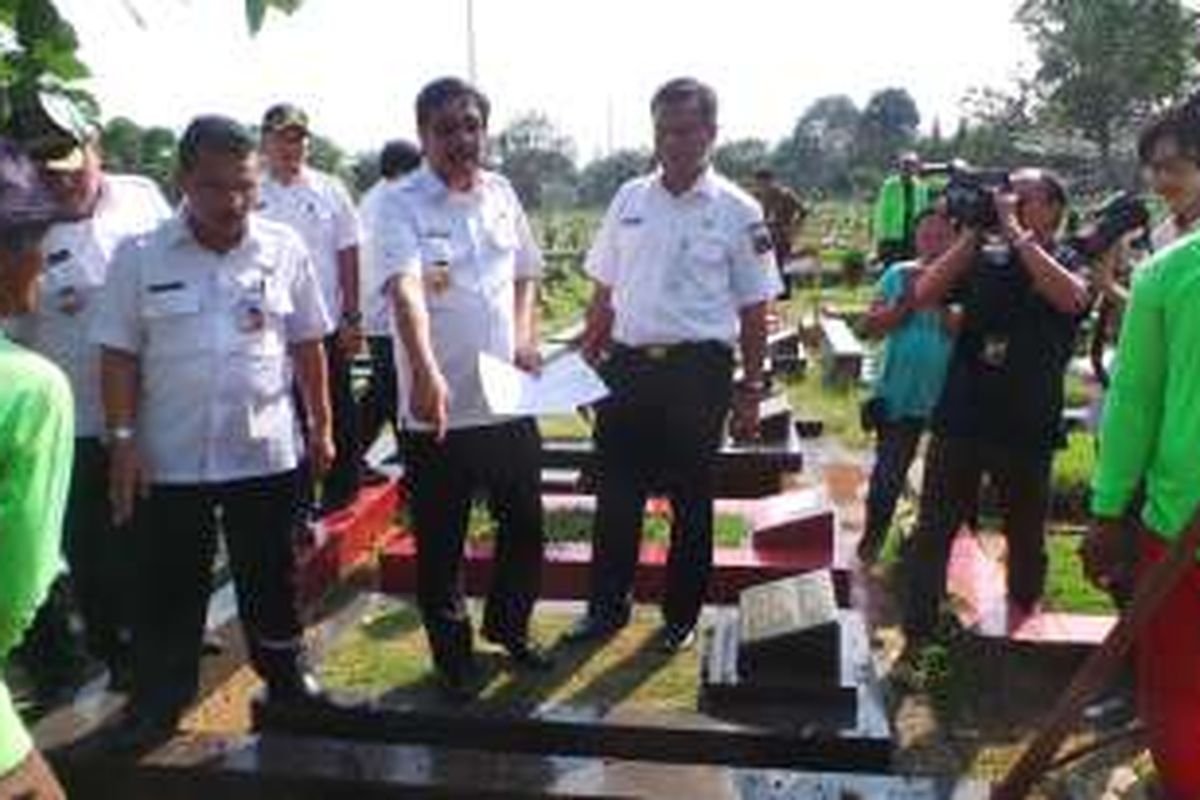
[(170, 298)]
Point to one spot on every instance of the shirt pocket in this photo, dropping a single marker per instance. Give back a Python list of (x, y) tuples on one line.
[(174, 324), (706, 265), (170, 299)]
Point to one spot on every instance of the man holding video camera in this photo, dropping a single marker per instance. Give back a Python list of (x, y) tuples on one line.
[(1023, 295)]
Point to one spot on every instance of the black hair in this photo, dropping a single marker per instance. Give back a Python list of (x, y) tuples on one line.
[(681, 90), (438, 93), (216, 134), (764, 174), (398, 157), (1180, 123)]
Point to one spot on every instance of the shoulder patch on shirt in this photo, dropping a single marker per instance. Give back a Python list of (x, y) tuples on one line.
[(58, 257), (760, 238)]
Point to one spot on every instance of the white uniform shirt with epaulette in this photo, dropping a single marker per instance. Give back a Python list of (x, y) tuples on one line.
[(211, 333), (469, 248), (319, 208), (77, 256), (680, 267)]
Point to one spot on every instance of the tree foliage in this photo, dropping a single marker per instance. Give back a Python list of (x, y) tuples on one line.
[(739, 158), (538, 159), (130, 148), (1104, 64), (601, 178)]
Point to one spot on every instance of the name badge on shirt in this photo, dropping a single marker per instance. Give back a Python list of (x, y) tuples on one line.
[(995, 351), (437, 258), (251, 315), (170, 298)]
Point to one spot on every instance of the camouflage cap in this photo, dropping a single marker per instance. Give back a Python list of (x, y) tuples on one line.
[(284, 115)]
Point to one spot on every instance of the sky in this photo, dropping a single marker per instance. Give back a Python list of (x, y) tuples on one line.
[(356, 65)]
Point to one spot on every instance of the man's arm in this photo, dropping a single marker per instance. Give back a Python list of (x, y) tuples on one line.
[(430, 395), (308, 358), (752, 342), (1065, 291), (1130, 430), (937, 279), (350, 323), (525, 317), (598, 322), (119, 391)]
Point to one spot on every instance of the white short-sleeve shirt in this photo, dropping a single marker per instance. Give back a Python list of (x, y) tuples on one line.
[(469, 248), (374, 305), (211, 334), (319, 208), (76, 257), (680, 267)]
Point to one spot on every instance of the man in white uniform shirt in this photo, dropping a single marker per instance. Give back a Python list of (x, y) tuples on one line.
[(202, 323), (683, 271), (461, 267), (100, 210), (319, 208), (397, 159)]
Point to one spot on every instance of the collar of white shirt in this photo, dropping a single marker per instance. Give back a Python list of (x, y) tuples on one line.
[(179, 232), (705, 185), (430, 184)]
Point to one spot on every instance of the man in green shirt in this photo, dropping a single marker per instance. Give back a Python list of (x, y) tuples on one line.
[(36, 438), (1149, 435), (902, 198)]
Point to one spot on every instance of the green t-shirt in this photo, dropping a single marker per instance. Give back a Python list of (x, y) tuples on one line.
[(1151, 425), (915, 354), (37, 437), (894, 219)]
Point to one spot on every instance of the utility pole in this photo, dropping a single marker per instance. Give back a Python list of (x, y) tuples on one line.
[(472, 75)]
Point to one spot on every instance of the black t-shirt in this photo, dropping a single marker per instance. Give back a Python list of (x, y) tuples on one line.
[(1004, 382)]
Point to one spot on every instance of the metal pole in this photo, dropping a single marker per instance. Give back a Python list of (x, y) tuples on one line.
[(472, 75)]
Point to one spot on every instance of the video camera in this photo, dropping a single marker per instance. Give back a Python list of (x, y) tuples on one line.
[(1119, 214), (969, 192)]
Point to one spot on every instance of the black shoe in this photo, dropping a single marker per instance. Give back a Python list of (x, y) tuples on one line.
[(523, 653), (591, 628), (676, 637), (139, 732), (461, 683), (298, 691)]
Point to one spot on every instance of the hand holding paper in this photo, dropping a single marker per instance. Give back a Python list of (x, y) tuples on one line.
[(563, 385)]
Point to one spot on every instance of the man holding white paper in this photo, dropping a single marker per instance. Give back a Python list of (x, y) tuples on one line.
[(460, 265)]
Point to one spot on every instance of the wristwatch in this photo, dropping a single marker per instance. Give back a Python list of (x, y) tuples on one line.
[(121, 433)]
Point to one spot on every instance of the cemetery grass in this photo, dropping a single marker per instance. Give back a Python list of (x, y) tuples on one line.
[(385, 656)]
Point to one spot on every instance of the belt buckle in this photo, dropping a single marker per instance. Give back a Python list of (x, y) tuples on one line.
[(657, 352)]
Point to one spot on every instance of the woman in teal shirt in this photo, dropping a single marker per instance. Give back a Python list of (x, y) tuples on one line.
[(915, 355), (36, 440)]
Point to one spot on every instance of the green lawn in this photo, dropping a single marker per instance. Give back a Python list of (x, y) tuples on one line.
[(729, 530), (385, 655), (836, 406)]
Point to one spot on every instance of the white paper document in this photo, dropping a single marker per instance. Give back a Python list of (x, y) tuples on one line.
[(564, 385)]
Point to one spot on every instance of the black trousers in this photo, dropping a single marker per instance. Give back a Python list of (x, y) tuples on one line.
[(101, 573), (502, 463), (176, 530), (378, 406), (895, 447), (949, 497), (658, 431)]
